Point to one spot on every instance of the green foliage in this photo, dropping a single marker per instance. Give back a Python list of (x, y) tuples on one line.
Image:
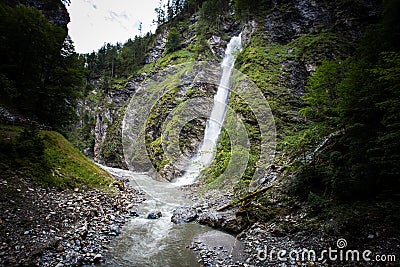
[(70, 166), (211, 14), (24, 149), (217, 176), (173, 8), (158, 115), (40, 72), (212, 175), (359, 98), (119, 60), (322, 96), (174, 40), (263, 62), (111, 148), (177, 57), (48, 159), (316, 202), (211, 20), (246, 9), (322, 44)]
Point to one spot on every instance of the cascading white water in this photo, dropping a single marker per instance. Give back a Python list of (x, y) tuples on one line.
[(205, 153)]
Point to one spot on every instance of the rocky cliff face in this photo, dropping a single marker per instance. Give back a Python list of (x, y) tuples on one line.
[(290, 21), (109, 112), (285, 46), (108, 124), (53, 10)]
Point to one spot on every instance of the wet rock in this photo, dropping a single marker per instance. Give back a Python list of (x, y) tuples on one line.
[(217, 45), (233, 223), (153, 215), (134, 213), (114, 229), (215, 248), (74, 259), (371, 236), (184, 215), (211, 218)]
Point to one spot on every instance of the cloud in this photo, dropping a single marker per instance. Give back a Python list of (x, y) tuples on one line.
[(95, 22)]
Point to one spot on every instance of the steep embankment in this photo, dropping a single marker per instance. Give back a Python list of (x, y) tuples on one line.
[(56, 206), (104, 107), (48, 159)]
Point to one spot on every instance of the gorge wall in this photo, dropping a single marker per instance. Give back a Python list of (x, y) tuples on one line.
[(281, 48), (54, 10)]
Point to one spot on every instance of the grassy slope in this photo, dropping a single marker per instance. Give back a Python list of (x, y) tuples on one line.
[(47, 158)]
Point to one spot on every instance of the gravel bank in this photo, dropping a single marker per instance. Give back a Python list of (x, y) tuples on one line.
[(46, 227)]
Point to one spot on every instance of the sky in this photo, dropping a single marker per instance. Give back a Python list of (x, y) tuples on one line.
[(95, 22)]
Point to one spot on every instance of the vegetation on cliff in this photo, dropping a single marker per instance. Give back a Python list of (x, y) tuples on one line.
[(322, 120), (337, 140)]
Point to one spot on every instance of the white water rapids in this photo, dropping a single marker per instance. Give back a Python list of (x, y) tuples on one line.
[(146, 242), (206, 151)]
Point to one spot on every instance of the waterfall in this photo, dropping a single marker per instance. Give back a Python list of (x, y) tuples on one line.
[(205, 153)]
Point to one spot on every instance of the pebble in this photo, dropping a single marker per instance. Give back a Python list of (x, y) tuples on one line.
[(97, 258), (65, 227)]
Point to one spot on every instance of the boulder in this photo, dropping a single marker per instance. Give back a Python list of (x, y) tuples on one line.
[(211, 218), (154, 215), (184, 215), (217, 45)]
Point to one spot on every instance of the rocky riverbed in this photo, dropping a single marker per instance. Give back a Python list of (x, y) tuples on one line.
[(46, 227), (295, 235)]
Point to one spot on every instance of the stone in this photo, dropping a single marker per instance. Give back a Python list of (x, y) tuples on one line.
[(153, 215), (211, 218), (217, 45), (97, 258), (114, 229), (135, 213), (184, 215)]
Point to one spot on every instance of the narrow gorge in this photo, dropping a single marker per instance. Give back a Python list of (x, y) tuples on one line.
[(238, 133)]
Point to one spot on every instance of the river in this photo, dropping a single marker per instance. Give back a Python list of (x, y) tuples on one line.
[(146, 242)]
